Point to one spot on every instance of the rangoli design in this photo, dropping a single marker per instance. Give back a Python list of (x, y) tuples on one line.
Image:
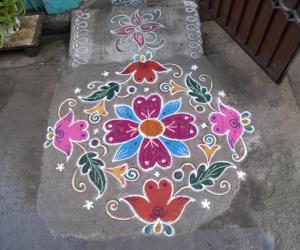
[(194, 34), (80, 39), (127, 2), (149, 119), (151, 130), (138, 29)]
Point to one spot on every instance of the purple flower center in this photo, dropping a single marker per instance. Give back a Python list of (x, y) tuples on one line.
[(158, 212), (59, 133), (234, 123)]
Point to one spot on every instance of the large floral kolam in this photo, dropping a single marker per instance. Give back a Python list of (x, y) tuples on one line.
[(156, 149)]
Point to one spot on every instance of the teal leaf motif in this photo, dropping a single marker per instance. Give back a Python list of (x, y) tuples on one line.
[(199, 93), (107, 91), (168, 230), (206, 177), (148, 229), (91, 165), (249, 129)]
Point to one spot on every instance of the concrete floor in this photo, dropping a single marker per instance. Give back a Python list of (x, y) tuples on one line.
[(265, 213)]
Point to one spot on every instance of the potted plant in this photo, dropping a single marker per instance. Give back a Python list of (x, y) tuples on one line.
[(10, 13)]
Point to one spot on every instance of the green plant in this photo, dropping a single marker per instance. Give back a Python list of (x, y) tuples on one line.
[(10, 10)]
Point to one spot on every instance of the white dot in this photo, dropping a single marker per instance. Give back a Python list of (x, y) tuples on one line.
[(139, 102), (147, 163), (110, 139), (153, 99), (191, 131), (109, 126), (163, 161), (186, 117)]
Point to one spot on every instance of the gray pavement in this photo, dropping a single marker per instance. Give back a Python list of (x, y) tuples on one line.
[(263, 213)]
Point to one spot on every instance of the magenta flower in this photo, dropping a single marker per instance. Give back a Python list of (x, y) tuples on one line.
[(66, 131), (137, 26), (230, 122), (153, 132)]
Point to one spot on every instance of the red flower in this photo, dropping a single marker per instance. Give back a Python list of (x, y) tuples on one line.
[(144, 70), (158, 203)]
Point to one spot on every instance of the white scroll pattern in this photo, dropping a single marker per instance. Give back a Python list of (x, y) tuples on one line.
[(194, 34), (80, 39)]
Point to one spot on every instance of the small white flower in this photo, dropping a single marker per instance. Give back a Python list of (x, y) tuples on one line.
[(241, 175), (96, 131), (203, 125), (88, 205), (221, 93), (105, 74), (77, 91), (205, 204), (156, 174), (194, 67), (60, 167)]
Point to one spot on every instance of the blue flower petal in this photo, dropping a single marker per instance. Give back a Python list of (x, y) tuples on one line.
[(126, 112), (176, 148), (170, 108), (128, 149), (246, 114)]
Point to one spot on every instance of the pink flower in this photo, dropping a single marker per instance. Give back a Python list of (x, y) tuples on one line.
[(137, 27), (152, 131), (66, 131), (230, 122)]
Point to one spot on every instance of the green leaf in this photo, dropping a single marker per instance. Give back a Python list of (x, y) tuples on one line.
[(107, 91), (91, 165), (157, 14), (199, 93), (117, 45), (206, 177)]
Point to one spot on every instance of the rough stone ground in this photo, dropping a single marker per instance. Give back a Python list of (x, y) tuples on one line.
[(265, 213)]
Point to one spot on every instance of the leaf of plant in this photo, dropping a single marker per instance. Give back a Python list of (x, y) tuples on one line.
[(203, 178), (91, 165), (199, 93), (107, 91)]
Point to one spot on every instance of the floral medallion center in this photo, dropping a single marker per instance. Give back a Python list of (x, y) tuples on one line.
[(151, 128)]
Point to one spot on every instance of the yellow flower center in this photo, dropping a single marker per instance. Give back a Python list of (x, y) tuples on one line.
[(245, 121), (151, 128), (142, 58), (158, 228), (50, 135)]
